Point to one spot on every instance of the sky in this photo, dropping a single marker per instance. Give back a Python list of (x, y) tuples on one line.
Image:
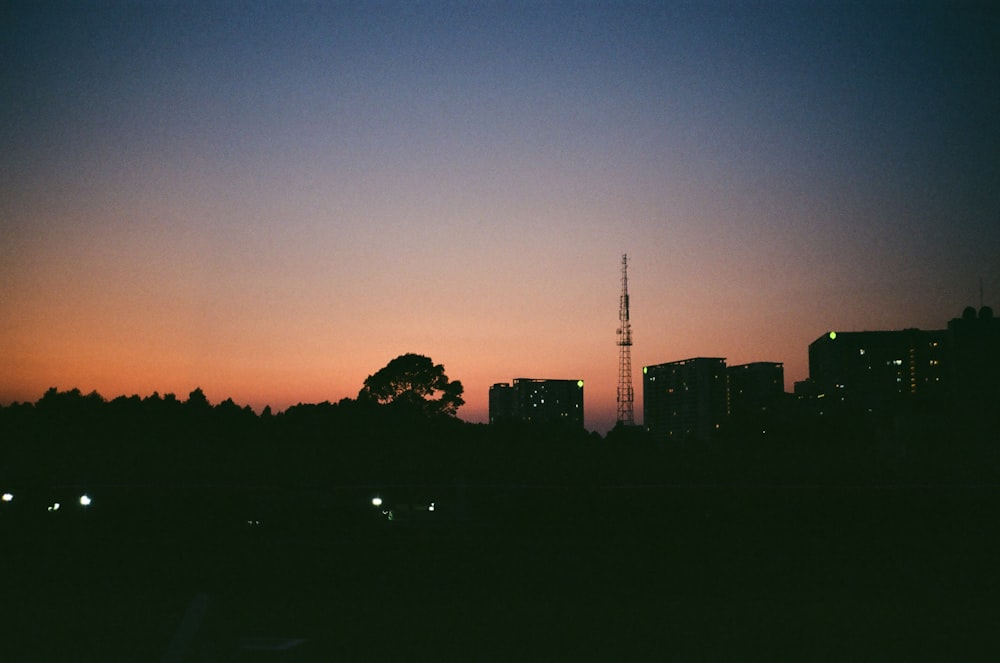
[(272, 200)]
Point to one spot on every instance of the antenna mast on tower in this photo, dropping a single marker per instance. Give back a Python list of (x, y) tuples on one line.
[(625, 415)]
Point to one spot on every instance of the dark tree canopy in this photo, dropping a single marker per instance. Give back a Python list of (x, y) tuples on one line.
[(416, 380)]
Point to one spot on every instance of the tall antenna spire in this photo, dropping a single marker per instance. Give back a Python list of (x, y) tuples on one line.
[(625, 413)]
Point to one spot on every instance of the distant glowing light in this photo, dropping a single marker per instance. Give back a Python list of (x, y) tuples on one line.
[(833, 335), (7, 497), (579, 383), (431, 507), (645, 369), (376, 501), (54, 506), (85, 500)]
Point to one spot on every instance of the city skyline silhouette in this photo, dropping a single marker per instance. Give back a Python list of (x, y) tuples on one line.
[(266, 202)]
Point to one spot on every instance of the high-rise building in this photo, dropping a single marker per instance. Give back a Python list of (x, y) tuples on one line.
[(685, 399), (501, 402), (536, 400), (755, 388), (973, 370), (877, 371)]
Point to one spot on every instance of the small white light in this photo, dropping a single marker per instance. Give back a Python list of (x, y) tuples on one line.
[(431, 507), (376, 501), (54, 506), (8, 497), (85, 500)]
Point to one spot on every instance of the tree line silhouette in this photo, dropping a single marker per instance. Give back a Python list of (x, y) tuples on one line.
[(68, 437)]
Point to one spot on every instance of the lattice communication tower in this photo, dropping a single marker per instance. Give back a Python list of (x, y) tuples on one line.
[(625, 396)]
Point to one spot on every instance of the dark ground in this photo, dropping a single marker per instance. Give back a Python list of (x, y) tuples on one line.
[(702, 573)]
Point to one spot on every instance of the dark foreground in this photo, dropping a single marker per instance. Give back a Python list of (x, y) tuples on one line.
[(705, 573)]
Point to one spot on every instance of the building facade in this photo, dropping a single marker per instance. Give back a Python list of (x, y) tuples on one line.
[(973, 370), (685, 399), (755, 390), (538, 400), (501, 402), (878, 371)]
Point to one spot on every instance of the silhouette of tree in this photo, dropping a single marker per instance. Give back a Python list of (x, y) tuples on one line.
[(197, 400), (414, 381)]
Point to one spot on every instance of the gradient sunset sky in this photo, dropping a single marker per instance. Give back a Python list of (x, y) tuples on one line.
[(272, 200)]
